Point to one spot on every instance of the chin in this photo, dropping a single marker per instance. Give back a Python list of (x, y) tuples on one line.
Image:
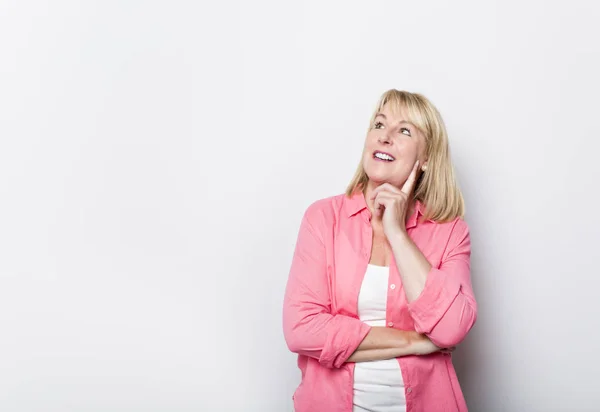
[(375, 172), (378, 178)]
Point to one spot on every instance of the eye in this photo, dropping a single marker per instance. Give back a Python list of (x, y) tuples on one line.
[(404, 129), (377, 125)]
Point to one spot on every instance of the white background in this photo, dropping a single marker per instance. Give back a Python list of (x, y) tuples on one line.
[(156, 159)]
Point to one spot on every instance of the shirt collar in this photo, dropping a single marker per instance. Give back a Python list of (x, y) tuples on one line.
[(357, 203)]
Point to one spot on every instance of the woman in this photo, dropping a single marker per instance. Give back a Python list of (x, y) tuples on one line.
[(379, 290)]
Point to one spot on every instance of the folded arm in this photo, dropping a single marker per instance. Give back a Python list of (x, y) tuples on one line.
[(386, 343), (309, 327)]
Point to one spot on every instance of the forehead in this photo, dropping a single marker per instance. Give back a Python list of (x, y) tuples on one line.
[(396, 113)]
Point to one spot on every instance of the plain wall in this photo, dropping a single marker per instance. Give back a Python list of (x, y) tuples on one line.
[(156, 159)]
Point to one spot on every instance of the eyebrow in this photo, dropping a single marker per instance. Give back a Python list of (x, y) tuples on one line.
[(400, 122)]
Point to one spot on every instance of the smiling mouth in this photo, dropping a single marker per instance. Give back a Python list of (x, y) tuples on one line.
[(383, 156)]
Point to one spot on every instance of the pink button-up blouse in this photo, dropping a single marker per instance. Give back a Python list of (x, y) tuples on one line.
[(320, 320)]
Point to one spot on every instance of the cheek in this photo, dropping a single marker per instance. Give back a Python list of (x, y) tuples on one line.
[(418, 147), (415, 151), (421, 146), (409, 148)]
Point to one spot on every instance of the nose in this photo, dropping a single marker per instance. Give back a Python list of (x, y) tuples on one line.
[(384, 138)]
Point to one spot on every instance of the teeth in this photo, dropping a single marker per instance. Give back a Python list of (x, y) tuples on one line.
[(383, 156)]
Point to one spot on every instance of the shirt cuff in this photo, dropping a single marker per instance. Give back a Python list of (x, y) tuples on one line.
[(435, 299), (341, 344)]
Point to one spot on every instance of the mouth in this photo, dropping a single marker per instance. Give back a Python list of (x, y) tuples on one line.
[(383, 156)]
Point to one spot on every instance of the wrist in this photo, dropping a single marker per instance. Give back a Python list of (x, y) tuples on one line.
[(415, 337), (398, 238), (410, 339)]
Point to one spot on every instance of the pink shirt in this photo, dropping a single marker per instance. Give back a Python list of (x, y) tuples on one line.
[(320, 320)]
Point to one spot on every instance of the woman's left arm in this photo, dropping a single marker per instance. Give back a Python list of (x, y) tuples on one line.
[(440, 301)]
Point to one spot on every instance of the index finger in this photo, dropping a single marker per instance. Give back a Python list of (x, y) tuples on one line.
[(410, 182)]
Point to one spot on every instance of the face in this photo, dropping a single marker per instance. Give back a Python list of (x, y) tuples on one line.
[(392, 147)]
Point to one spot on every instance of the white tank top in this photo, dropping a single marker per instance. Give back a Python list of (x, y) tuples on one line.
[(378, 385)]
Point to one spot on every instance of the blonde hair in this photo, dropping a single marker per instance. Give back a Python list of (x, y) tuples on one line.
[(436, 188)]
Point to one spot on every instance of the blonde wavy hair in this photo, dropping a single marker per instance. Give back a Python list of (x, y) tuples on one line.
[(437, 188)]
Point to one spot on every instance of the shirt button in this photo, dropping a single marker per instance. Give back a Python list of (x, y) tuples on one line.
[(392, 286), (408, 390), (390, 324)]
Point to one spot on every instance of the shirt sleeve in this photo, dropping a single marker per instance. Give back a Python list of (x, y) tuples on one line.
[(446, 309), (309, 327)]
